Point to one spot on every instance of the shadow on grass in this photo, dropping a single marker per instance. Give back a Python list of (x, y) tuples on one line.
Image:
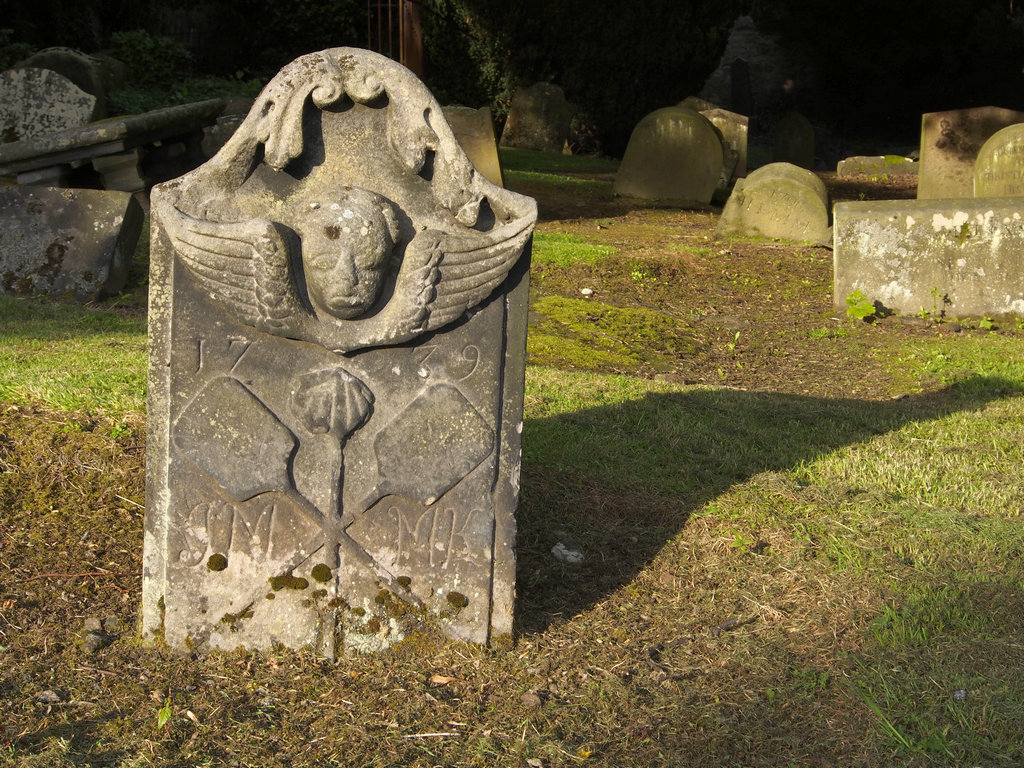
[(622, 479)]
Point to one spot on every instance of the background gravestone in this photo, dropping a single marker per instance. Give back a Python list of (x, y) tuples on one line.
[(338, 325), (99, 76), (539, 118), (60, 242), (673, 154), (778, 200), (892, 165), (474, 130), (950, 142), (36, 102), (734, 129), (794, 141), (999, 169)]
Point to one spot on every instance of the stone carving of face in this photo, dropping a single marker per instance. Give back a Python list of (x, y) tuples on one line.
[(346, 250)]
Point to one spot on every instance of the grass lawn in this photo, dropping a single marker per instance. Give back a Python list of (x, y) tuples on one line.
[(802, 534)]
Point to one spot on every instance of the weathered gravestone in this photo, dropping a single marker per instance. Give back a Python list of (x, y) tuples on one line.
[(734, 129), (999, 169), (61, 242), (950, 142), (891, 165), (36, 102), (794, 141), (778, 200), (474, 130), (338, 321), (539, 118), (96, 75), (962, 257), (673, 154)]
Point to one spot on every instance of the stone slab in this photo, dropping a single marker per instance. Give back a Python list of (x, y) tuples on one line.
[(673, 154), (37, 102), (950, 142), (75, 146), (539, 118), (338, 307), (66, 242), (876, 165), (999, 168), (959, 257), (474, 129), (778, 200)]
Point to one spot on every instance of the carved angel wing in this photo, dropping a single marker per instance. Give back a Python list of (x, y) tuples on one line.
[(244, 265), (472, 265)]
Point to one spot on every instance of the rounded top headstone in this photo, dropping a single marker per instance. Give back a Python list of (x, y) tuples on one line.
[(673, 154), (999, 169), (778, 200), (539, 118), (36, 102)]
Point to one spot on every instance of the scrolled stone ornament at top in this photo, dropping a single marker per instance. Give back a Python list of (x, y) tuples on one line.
[(379, 227)]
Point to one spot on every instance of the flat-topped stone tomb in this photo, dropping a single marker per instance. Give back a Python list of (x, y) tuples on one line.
[(876, 165), (338, 310), (959, 257)]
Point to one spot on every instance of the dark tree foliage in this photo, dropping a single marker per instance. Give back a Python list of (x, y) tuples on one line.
[(257, 37), (882, 63), (617, 61)]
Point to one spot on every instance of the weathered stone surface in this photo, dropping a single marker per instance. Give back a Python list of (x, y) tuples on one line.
[(338, 323), (61, 242), (794, 141), (891, 165), (52, 156), (950, 142), (93, 74), (673, 154), (734, 129), (999, 169), (37, 102), (474, 130), (960, 257), (778, 200), (539, 118)]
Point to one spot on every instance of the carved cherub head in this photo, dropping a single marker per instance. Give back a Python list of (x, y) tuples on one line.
[(346, 251)]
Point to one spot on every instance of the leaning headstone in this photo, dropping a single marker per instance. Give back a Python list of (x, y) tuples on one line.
[(539, 118), (961, 257), (734, 129), (794, 141), (950, 142), (338, 308), (66, 242), (673, 154), (778, 200), (474, 130), (876, 165), (95, 75), (999, 169), (36, 102)]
